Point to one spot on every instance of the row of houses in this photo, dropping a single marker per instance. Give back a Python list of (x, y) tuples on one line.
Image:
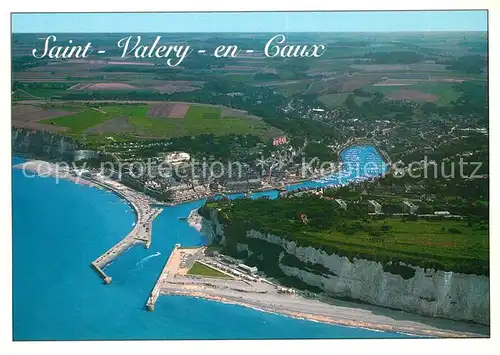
[(407, 208)]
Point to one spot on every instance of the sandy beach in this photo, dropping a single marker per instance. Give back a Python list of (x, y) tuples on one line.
[(262, 294), (368, 318), (42, 168)]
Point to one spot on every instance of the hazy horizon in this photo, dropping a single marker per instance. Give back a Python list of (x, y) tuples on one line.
[(253, 22)]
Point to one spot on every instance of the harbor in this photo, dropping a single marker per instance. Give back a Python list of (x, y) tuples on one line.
[(143, 206), (243, 289)]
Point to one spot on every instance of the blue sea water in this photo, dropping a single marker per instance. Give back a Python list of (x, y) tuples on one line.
[(58, 229)]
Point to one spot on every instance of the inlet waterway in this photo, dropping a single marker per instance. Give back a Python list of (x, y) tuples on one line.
[(58, 229)]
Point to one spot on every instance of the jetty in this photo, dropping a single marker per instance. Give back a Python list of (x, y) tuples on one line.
[(100, 263), (155, 292), (141, 233)]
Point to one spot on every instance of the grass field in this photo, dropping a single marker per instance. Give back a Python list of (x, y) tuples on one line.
[(445, 91), (202, 270), (31, 93), (334, 100), (418, 239), (198, 120), (424, 243), (451, 245), (243, 78), (81, 121), (196, 112)]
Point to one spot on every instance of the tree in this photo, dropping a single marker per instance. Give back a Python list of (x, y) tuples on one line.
[(428, 108), (378, 97), (351, 104)]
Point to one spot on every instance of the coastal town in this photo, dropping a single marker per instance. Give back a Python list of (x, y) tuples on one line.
[(349, 189), (206, 273)]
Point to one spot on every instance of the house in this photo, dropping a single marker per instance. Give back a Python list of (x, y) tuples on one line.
[(374, 207), (441, 213), (248, 269), (409, 207), (341, 203)]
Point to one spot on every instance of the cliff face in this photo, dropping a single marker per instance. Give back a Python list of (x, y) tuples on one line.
[(42, 144), (434, 293), (212, 229)]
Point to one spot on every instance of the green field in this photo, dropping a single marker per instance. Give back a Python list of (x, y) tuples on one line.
[(416, 241), (335, 100), (242, 78), (198, 120), (293, 87), (88, 117), (445, 91), (202, 270), (196, 112), (451, 245), (32, 93)]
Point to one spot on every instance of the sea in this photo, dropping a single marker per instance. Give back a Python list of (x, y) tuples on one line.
[(59, 228)]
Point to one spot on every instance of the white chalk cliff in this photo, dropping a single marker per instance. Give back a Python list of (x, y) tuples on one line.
[(434, 293)]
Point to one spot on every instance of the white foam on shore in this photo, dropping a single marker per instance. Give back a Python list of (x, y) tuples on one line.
[(306, 317)]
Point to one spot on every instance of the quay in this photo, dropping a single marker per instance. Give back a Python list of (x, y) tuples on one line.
[(141, 233), (155, 292)]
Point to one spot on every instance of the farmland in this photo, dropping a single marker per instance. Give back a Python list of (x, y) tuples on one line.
[(29, 116), (153, 121), (102, 86), (412, 95), (168, 110), (334, 100), (442, 93), (252, 93)]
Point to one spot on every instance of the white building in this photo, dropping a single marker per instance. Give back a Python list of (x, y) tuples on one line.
[(341, 203), (441, 213), (177, 157), (409, 207), (375, 207), (248, 269)]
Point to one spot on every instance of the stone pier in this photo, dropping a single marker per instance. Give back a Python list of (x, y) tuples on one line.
[(155, 292), (141, 233)]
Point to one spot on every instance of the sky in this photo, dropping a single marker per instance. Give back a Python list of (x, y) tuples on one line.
[(251, 22)]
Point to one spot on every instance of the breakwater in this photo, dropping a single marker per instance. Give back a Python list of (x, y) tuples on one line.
[(141, 233), (155, 292)]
